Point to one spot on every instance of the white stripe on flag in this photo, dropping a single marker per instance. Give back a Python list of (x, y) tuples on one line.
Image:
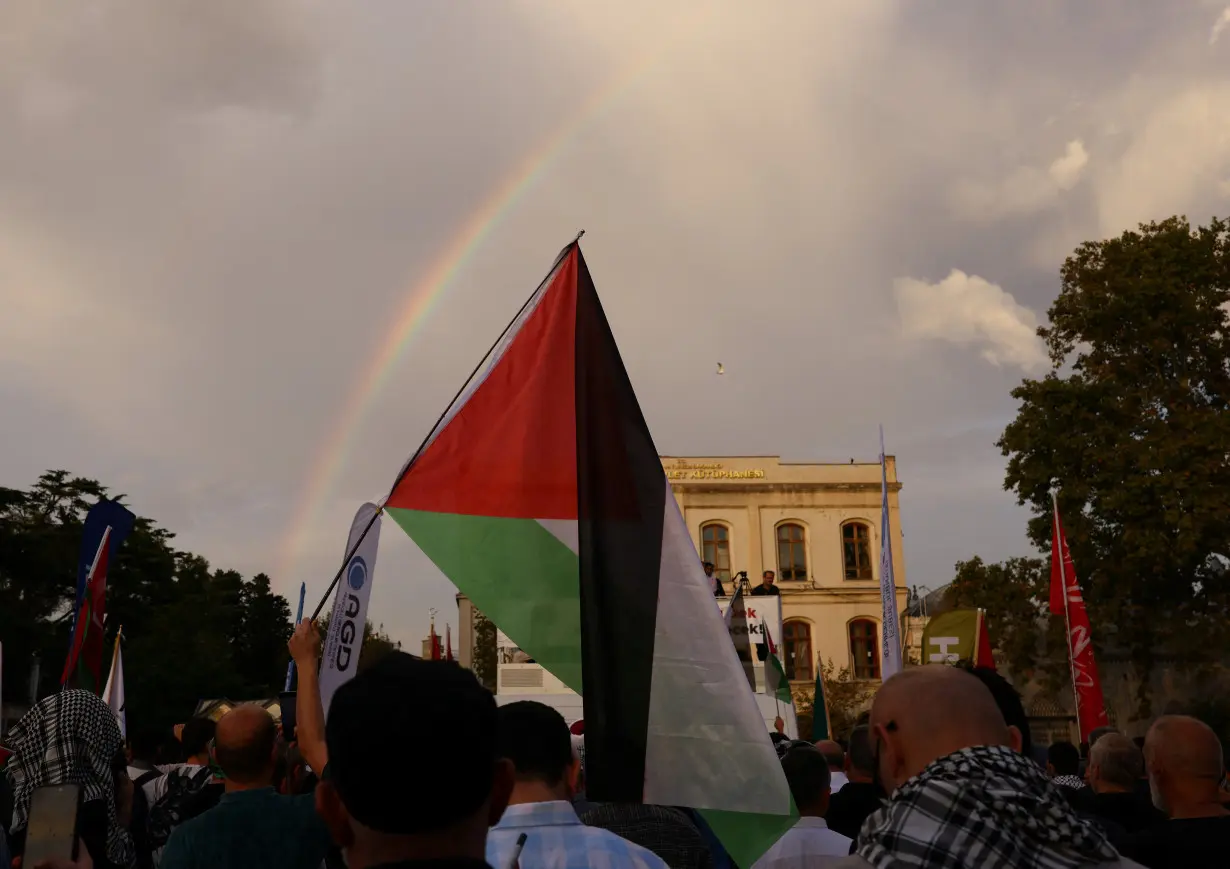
[(344, 643), (707, 744), (113, 694)]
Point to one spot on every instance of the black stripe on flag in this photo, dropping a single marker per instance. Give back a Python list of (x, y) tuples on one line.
[(621, 493)]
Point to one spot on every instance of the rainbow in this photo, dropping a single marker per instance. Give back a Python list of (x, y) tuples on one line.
[(422, 299)]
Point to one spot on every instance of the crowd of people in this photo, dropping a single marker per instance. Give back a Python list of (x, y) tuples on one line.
[(416, 766)]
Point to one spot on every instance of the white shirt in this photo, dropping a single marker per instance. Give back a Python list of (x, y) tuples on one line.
[(839, 780), (808, 844)]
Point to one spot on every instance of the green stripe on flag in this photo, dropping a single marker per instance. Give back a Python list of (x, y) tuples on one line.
[(747, 836), (517, 573)]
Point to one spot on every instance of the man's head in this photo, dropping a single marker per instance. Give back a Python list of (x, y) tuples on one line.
[(779, 724), (535, 738), (449, 720), (1115, 765), (245, 746), (1062, 758), (195, 739), (1185, 763), (925, 713), (861, 758), (1008, 699), (708, 568), (807, 773), (1097, 733), (833, 754), (767, 578)]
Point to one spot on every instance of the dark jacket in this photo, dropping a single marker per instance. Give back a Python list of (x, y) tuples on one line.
[(851, 805)]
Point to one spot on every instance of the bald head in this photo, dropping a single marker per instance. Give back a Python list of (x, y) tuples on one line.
[(833, 753), (244, 744), (925, 713), (1185, 763)]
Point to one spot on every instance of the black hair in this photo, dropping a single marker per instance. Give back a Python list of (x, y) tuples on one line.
[(862, 755), (535, 738), (807, 773), (196, 735), (1065, 757), (441, 711), (248, 760), (1008, 699)]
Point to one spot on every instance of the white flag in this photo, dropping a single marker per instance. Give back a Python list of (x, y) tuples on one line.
[(344, 642), (890, 635), (113, 694)]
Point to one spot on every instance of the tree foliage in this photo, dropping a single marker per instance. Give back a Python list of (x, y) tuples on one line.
[(190, 632), (847, 698), (1132, 426), (483, 658), (1014, 595)]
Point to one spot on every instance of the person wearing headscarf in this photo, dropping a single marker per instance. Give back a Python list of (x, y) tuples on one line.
[(72, 737)]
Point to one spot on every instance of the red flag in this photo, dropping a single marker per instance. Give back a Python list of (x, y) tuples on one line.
[(448, 643), (436, 654), (983, 656), (85, 656), (1066, 600)]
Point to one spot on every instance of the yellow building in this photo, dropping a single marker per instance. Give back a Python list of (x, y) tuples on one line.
[(817, 526)]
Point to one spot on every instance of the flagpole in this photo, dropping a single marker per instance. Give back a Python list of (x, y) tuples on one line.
[(977, 635), (431, 432), (290, 665), (1067, 625)]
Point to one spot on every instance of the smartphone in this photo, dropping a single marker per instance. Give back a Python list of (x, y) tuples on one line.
[(286, 700), (51, 832)]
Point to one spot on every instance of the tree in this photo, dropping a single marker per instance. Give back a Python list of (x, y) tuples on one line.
[(483, 659), (1131, 424), (1015, 596), (847, 698), (190, 632)]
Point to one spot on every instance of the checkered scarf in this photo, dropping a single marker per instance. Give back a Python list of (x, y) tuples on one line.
[(982, 806), (69, 738)]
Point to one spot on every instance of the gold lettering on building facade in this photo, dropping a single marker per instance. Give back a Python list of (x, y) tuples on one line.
[(684, 470)]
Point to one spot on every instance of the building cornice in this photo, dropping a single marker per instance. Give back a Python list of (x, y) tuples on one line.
[(704, 488)]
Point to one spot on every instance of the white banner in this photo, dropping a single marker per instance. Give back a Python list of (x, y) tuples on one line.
[(890, 637), (344, 642), (760, 608)]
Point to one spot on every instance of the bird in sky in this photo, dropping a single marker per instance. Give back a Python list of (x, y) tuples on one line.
[(721, 369)]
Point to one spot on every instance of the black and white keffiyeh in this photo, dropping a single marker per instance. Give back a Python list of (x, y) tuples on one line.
[(982, 806), (70, 737)]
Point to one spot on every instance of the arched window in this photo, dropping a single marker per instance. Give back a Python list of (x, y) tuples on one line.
[(715, 548), (796, 644), (856, 550), (791, 552), (864, 650)]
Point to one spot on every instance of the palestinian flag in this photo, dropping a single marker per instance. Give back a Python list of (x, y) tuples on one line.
[(775, 681), (541, 496)]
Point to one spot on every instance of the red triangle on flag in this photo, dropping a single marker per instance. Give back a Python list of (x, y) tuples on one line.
[(511, 448)]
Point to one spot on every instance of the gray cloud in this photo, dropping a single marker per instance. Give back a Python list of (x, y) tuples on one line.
[(211, 214)]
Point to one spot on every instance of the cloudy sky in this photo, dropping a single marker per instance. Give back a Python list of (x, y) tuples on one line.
[(212, 216)]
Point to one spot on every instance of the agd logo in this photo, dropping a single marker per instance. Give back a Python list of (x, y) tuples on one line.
[(356, 575)]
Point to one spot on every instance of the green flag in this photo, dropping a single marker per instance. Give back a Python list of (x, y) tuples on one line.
[(820, 709)]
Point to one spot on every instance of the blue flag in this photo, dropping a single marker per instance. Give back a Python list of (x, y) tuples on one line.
[(103, 515)]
